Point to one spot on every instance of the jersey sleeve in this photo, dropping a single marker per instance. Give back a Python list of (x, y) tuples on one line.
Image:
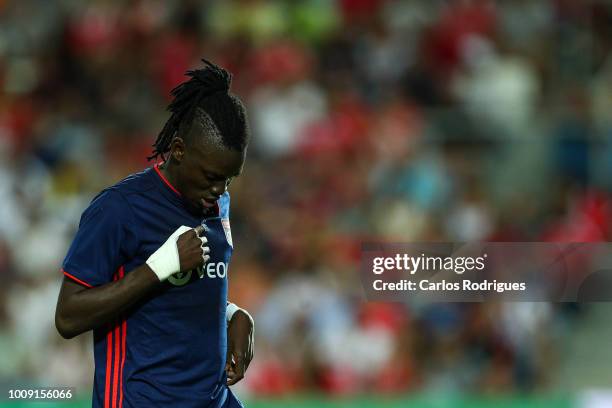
[(102, 243)]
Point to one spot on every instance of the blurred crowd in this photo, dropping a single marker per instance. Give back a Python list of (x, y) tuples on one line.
[(458, 120)]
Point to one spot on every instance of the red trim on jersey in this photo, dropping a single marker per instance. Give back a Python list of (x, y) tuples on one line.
[(113, 353), (74, 278), (123, 336), (116, 365), (109, 351), (159, 173), (109, 357)]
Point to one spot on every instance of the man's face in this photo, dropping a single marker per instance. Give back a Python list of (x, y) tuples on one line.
[(204, 170)]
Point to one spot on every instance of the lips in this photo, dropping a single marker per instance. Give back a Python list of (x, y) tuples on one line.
[(208, 203)]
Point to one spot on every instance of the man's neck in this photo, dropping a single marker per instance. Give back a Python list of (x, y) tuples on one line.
[(166, 170)]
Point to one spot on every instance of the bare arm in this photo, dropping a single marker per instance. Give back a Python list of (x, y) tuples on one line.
[(240, 346), (80, 309)]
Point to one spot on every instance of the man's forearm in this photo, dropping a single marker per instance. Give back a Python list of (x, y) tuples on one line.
[(81, 309)]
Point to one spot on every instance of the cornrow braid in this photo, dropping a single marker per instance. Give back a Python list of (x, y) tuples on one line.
[(207, 90)]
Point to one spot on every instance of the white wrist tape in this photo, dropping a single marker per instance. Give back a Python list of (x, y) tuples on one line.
[(165, 261), (231, 309)]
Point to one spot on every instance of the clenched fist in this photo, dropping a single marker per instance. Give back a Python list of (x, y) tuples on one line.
[(186, 249)]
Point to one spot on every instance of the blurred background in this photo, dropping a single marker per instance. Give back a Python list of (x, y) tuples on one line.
[(410, 120)]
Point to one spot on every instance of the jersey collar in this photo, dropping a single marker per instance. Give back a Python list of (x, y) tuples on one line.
[(173, 193), (164, 179)]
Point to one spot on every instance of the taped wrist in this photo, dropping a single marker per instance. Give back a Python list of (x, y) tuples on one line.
[(231, 309), (165, 261)]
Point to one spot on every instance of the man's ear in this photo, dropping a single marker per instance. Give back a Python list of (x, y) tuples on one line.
[(177, 149)]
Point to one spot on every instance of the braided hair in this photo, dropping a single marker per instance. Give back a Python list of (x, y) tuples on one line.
[(205, 100)]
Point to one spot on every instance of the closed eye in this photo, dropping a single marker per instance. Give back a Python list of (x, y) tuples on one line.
[(214, 177)]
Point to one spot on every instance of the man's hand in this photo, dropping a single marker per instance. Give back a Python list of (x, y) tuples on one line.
[(240, 345), (192, 248), (184, 250)]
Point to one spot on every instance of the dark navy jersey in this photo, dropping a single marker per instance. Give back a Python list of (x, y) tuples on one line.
[(170, 348)]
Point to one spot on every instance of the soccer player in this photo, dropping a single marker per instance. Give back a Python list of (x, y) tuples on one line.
[(147, 270)]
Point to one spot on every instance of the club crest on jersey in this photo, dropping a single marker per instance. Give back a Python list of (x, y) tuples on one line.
[(180, 278), (228, 231)]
